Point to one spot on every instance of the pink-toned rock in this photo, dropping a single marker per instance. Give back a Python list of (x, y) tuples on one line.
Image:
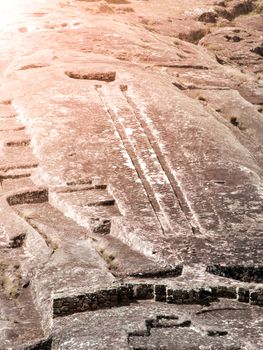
[(131, 175)]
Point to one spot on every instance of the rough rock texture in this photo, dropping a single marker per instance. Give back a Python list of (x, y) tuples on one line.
[(131, 174)]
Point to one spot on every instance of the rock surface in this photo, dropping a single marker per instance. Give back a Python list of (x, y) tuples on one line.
[(131, 174)]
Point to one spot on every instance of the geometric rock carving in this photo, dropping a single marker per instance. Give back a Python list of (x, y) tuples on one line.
[(138, 339), (131, 175)]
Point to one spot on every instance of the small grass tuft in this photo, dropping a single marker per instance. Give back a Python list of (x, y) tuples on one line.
[(109, 258), (11, 278)]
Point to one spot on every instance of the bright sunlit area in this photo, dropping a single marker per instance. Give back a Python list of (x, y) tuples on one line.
[(9, 12)]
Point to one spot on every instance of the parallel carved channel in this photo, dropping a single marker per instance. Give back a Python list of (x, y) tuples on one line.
[(150, 167)]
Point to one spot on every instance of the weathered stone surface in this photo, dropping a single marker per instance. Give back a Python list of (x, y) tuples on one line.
[(155, 326), (131, 174)]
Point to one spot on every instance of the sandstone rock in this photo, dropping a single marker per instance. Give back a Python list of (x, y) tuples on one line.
[(131, 175)]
